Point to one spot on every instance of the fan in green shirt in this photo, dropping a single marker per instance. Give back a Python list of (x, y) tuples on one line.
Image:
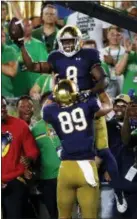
[(47, 142), (25, 79), (48, 31), (42, 85), (130, 80), (49, 145), (49, 41), (8, 55)]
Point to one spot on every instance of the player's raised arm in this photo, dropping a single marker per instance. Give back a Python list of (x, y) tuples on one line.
[(100, 78), (16, 32), (105, 108), (41, 67)]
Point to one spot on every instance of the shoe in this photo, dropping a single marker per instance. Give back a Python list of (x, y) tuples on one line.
[(121, 202)]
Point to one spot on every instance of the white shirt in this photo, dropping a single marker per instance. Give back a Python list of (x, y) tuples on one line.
[(91, 28), (116, 54)]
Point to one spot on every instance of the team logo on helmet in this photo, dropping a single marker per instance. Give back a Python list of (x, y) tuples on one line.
[(65, 92)]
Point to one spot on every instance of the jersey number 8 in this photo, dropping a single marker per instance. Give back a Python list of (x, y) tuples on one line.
[(71, 73), (72, 121)]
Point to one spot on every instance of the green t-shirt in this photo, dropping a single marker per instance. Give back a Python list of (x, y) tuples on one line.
[(49, 41), (47, 142), (25, 79), (8, 54), (130, 74), (45, 83)]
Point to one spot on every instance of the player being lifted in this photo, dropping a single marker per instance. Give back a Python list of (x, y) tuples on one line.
[(69, 61), (73, 123), (84, 68)]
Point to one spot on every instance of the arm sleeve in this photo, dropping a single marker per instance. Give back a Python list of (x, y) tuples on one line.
[(28, 142), (94, 105), (94, 58), (46, 114)]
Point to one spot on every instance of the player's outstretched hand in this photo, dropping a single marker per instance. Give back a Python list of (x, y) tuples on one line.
[(16, 31)]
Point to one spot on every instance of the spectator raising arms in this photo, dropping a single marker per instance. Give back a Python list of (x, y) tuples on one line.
[(37, 52), (128, 66), (111, 55)]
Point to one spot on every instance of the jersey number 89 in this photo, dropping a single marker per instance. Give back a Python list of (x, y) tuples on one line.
[(72, 121)]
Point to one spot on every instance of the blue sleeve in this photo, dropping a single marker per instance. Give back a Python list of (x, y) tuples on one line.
[(93, 105), (47, 114), (94, 57)]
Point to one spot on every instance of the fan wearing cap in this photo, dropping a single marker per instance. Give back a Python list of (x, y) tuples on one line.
[(115, 124), (127, 158), (120, 104)]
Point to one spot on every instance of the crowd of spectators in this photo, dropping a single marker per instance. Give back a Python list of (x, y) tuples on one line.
[(113, 43), (118, 55)]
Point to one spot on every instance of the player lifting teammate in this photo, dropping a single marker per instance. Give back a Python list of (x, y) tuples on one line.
[(84, 68), (73, 123)]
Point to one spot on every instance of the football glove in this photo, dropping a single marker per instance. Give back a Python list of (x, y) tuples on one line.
[(84, 95)]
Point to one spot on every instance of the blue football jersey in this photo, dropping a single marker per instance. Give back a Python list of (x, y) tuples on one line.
[(74, 126), (77, 67)]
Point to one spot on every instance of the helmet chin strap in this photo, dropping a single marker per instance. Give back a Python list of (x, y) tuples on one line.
[(69, 54)]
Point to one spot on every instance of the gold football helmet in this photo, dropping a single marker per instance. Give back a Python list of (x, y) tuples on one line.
[(65, 92), (69, 40)]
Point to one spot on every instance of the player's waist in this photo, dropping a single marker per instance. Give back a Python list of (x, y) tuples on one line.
[(79, 156)]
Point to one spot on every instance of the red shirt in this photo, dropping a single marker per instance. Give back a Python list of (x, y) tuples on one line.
[(22, 143)]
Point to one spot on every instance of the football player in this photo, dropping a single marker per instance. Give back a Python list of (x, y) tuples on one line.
[(73, 123), (73, 62), (69, 61)]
